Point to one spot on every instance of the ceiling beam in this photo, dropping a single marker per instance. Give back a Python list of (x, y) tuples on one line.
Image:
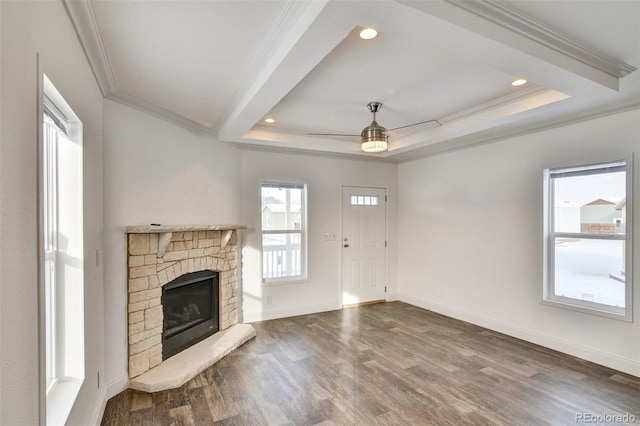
[(520, 45), (306, 33)]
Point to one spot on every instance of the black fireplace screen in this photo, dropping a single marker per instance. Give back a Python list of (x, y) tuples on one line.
[(190, 308)]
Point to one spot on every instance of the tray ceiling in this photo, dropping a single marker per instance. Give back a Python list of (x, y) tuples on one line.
[(222, 67)]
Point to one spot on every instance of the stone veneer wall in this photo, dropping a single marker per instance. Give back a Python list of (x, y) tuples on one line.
[(186, 252)]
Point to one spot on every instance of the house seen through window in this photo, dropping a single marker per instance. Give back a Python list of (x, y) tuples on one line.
[(283, 231), (587, 260)]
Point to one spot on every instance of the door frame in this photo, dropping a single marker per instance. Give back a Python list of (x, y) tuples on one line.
[(386, 238)]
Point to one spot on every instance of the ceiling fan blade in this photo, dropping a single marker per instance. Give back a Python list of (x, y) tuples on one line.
[(329, 134), (435, 124)]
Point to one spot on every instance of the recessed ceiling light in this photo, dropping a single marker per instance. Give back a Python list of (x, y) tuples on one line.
[(368, 33), (518, 82), (269, 120)]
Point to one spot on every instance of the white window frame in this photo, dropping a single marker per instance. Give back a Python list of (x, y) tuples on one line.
[(302, 232), (550, 235), (61, 254)]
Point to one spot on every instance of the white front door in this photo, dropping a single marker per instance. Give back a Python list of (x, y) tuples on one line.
[(364, 263)]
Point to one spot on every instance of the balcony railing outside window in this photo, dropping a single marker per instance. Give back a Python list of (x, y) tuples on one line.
[(283, 231)]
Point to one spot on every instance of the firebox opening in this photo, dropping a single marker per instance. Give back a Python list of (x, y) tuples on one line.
[(190, 309)]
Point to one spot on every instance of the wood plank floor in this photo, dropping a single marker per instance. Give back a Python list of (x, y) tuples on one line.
[(386, 364)]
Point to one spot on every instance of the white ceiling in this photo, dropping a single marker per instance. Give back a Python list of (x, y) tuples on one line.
[(221, 67)]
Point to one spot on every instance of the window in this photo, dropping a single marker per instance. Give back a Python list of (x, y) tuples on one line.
[(283, 231), (364, 200), (61, 237), (588, 238)]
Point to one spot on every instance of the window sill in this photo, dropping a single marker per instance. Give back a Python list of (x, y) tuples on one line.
[(268, 282), (588, 310), (60, 400)]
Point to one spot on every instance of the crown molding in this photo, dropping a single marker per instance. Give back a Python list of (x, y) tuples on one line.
[(520, 95), (506, 16), (573, 118), (84, 21), (354, 156), (511, 132), (296, 18), (163, 114)]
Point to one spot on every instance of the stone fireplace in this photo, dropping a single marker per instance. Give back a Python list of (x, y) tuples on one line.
[(157, 256)]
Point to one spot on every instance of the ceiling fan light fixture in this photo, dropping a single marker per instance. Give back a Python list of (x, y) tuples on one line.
[(373, 138), (374, 146)]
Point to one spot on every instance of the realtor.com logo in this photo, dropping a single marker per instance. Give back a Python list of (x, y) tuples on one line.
[(605, 418)]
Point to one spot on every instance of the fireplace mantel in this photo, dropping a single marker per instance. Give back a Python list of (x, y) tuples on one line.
[(159, 229), (166, 231)]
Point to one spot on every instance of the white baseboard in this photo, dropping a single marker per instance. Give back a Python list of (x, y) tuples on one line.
[(616, 362), (625, 365), (392, 296), (111, 389), (249, 317), (99, 411)]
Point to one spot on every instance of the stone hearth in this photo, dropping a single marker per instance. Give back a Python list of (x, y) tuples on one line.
[(156, 256)]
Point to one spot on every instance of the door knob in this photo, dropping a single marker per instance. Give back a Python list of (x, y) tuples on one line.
[(346, 245)]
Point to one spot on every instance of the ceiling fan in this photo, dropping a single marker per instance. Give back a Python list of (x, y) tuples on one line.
[(374, 137)]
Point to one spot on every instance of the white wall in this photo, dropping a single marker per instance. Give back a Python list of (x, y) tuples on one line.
[(155, 172), (470, 238), (153, 169), (324, 178), (28, 29), (468, 222)]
